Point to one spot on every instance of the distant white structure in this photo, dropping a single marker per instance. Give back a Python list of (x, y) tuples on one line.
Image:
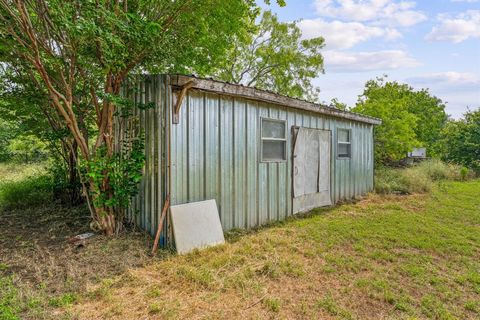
[(419, 153)]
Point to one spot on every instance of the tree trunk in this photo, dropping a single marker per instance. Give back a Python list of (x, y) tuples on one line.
[(73, 178)]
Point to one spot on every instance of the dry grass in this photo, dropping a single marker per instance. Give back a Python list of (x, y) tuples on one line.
[(382, 258), (39, 270)]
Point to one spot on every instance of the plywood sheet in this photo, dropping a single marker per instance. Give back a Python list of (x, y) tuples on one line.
[(311, 165), (196, 225)]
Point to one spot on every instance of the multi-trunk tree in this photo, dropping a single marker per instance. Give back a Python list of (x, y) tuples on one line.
[(80, 53)]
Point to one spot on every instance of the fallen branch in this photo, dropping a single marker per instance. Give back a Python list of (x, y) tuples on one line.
[(254, 304)]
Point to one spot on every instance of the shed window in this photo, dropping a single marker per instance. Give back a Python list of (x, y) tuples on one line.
[(274, 140), (344, 146)]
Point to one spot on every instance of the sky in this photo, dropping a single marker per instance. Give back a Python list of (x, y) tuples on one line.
[(432, 44)]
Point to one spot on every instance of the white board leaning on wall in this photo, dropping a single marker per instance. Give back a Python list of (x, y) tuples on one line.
[(196, 225)]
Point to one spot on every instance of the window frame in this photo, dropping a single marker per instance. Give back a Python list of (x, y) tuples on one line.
[(349, 143), (262, 139)]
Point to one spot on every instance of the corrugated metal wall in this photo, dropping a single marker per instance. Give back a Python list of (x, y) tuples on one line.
[(215, 155), (147, 205)]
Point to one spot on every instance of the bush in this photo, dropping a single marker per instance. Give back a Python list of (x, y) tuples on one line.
[(418, 178)]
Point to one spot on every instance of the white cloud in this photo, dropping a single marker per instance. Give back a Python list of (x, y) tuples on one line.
[(456, 28), (451, 78), (344, 35), (338, 61), (469, 1), (457, 89), (381, 12)]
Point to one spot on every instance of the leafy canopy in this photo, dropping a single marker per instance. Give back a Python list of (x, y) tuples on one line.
[(389, 102), (273, 56), (461, 141), (80, 53), (410, 118)]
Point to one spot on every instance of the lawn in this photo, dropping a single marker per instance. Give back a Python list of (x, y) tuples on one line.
[(384, 257), (415, 256)]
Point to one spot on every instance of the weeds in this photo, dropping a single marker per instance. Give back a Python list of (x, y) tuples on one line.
[(63, 300), (272, 304), (330, 305), (419, 178), (25, 187)]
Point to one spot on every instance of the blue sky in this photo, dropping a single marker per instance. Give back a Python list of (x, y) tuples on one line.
[(427, 44)]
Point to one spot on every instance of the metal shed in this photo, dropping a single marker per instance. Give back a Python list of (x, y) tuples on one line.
[(260, 155)]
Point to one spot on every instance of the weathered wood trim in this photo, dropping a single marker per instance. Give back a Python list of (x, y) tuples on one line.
[(183, 92), (267, 96)]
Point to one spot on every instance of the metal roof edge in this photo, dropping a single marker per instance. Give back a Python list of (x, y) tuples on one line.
[(221, 87)]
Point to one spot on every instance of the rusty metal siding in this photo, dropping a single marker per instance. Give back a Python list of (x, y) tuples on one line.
[(215, 153)]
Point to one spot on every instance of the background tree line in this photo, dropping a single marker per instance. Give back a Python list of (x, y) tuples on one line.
[(415, 118)]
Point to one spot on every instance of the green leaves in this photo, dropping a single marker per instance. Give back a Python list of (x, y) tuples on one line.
[(410, 118), (460, 142), (272, 56), (123, 171), (390, 101)]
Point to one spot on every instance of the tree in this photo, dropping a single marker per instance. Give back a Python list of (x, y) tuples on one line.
[(461, 141), (26, 106), (410, 118), (389, 101), (273, 56), (27, 148), (70, 47), (431, 118), (7, 133), (335, 103)]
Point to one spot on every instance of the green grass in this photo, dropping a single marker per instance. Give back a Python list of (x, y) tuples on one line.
[(387, 256), (9, 299), (24, 186)]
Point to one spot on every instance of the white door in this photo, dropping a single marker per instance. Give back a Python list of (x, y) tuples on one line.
[(311, 169)]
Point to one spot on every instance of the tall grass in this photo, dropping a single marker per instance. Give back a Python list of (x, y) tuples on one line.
[(418, 178), (24, 186)]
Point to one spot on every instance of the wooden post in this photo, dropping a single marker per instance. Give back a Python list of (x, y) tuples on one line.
[(160, 225)]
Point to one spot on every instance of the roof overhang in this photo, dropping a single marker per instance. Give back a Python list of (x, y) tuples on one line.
[(252, 93)]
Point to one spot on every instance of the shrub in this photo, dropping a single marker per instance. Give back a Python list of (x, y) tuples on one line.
[(463, 173)]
